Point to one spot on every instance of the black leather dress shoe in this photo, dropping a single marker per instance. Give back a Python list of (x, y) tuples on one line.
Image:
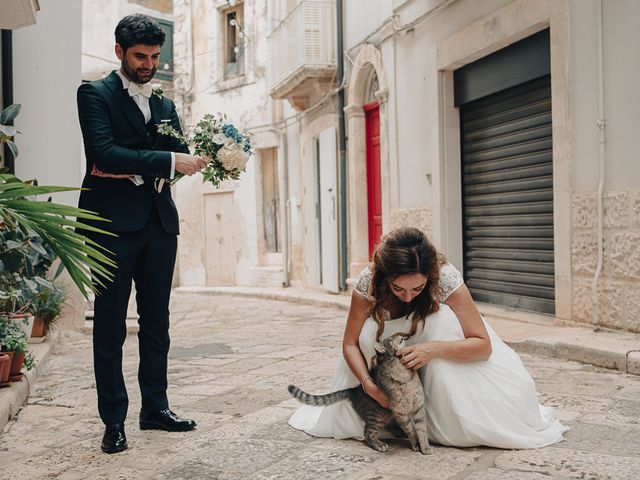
[(114, 439), (164, 420)]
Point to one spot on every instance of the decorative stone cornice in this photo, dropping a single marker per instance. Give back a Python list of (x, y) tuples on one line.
[(352, 111)]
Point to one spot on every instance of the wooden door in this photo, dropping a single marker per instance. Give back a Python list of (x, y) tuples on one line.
[(219, 239), (328, 208), (374, 197)]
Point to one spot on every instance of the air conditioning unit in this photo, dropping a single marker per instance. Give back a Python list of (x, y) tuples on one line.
[(18, 13)]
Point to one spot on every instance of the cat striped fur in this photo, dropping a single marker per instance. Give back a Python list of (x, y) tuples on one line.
[(406, 397), (321, 400)]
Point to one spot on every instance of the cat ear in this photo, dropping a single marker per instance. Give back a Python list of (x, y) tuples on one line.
[(378, 347)]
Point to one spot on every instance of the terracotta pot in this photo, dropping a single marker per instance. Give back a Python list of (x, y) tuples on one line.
[(38, 328), (16, 363), (5, 366), (25, 326)]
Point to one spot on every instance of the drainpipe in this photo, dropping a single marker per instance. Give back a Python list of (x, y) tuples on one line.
[(7, 88), (341, 147), (595, 299), (286, 214)]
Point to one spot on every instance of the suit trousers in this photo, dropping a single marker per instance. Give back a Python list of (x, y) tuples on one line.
[(147, 257)]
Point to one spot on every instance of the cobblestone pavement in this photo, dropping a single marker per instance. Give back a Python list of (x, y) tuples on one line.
[(230, 362)]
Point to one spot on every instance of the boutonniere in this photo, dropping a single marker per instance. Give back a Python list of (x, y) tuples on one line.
[(156, 89)]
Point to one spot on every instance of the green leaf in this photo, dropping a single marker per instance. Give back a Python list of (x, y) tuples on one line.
[(59, 270), (13, 245), (8, 130), (9, 113), (38, 248), (13, 147)]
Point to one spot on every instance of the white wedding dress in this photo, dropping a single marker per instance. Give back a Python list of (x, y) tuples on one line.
[(492, 402)]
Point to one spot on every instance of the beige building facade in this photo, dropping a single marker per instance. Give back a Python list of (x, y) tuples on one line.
[(417, 49), (504, 129)]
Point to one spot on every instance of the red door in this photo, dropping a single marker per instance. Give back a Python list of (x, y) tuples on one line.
[(374, 198)]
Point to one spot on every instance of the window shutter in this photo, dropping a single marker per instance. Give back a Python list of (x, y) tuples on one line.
[(291, 4), (311, 19)]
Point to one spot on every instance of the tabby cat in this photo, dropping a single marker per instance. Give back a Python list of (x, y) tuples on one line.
[(402, 386)]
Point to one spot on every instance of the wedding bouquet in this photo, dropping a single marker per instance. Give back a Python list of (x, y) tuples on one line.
[(215, 139)]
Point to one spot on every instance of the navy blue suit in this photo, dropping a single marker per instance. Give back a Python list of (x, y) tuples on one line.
[(117, 141)]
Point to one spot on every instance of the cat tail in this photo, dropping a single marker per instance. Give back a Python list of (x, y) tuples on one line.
[(326, 399)]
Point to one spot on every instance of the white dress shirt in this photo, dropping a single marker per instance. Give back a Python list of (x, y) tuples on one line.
[(143, 105)]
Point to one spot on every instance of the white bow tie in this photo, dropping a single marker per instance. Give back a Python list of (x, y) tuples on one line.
[(145, 90)]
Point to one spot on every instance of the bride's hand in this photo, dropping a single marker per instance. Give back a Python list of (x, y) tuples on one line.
[(374, 392), (417, 356)]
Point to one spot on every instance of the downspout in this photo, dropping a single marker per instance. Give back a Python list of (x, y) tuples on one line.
[(341, 147), (595, 299), (286, 215), (7, 88)]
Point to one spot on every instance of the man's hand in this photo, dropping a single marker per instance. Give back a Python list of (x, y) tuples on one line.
[(99, 173), (189, 164)]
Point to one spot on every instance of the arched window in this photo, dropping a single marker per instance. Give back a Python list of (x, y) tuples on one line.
[(372, 87)]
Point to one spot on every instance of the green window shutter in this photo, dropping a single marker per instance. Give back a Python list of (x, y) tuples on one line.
[(165, 69)]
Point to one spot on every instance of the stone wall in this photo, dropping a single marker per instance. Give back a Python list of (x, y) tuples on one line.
[(419, 217), (619, 286), (164, 6)]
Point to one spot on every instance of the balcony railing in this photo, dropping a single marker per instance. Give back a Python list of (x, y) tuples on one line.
[(303, 52)]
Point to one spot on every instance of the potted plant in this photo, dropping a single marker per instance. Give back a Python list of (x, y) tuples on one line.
[(25, 290), (16, 295), (5, 366), (13, 342), (46, 307)]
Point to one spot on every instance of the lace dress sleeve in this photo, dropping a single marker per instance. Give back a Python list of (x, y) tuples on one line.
[(450, 281), (363, 280)]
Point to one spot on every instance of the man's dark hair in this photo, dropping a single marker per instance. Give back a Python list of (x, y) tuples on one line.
[(138, 29)]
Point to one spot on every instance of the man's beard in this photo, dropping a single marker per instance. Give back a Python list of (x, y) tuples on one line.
[(135, 75)]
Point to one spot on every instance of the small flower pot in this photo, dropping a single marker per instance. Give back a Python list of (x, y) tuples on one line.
[(25, 320), (38, 331), (16, 364), (5, 366)]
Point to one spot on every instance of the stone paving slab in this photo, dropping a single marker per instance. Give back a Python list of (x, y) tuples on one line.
[(230, 363)]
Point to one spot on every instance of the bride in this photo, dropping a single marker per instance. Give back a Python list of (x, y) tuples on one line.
[(477, 391)]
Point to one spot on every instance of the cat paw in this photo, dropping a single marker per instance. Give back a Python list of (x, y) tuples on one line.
[(381, 447), (426, 451)]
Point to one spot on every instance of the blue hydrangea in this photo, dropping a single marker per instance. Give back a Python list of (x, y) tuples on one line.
[(232, 132)]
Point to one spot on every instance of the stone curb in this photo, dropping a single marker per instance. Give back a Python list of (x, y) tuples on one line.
[(295, 296), (613, 350), (12, 398)]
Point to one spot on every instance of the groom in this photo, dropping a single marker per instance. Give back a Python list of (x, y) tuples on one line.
[(125, 160)]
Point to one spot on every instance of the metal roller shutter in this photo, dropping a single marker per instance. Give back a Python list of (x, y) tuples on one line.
[(507, 188)]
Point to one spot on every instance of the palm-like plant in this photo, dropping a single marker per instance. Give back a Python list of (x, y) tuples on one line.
[(56, 224)]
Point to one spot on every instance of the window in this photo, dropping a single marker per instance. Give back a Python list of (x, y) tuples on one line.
[(165, 69), (233, 32)]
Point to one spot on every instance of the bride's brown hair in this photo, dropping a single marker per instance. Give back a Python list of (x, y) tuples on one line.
[(404, 251)]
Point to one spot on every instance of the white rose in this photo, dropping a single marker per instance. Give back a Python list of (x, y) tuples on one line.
[(219, 138), (234, 157)]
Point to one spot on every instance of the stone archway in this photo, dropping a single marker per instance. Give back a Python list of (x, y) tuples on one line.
[(368, 59)]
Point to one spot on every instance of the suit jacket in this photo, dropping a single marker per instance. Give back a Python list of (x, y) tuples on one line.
[(117, 140)]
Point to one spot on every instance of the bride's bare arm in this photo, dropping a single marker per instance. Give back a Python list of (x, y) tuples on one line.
[(475, 346), (358, 314)]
